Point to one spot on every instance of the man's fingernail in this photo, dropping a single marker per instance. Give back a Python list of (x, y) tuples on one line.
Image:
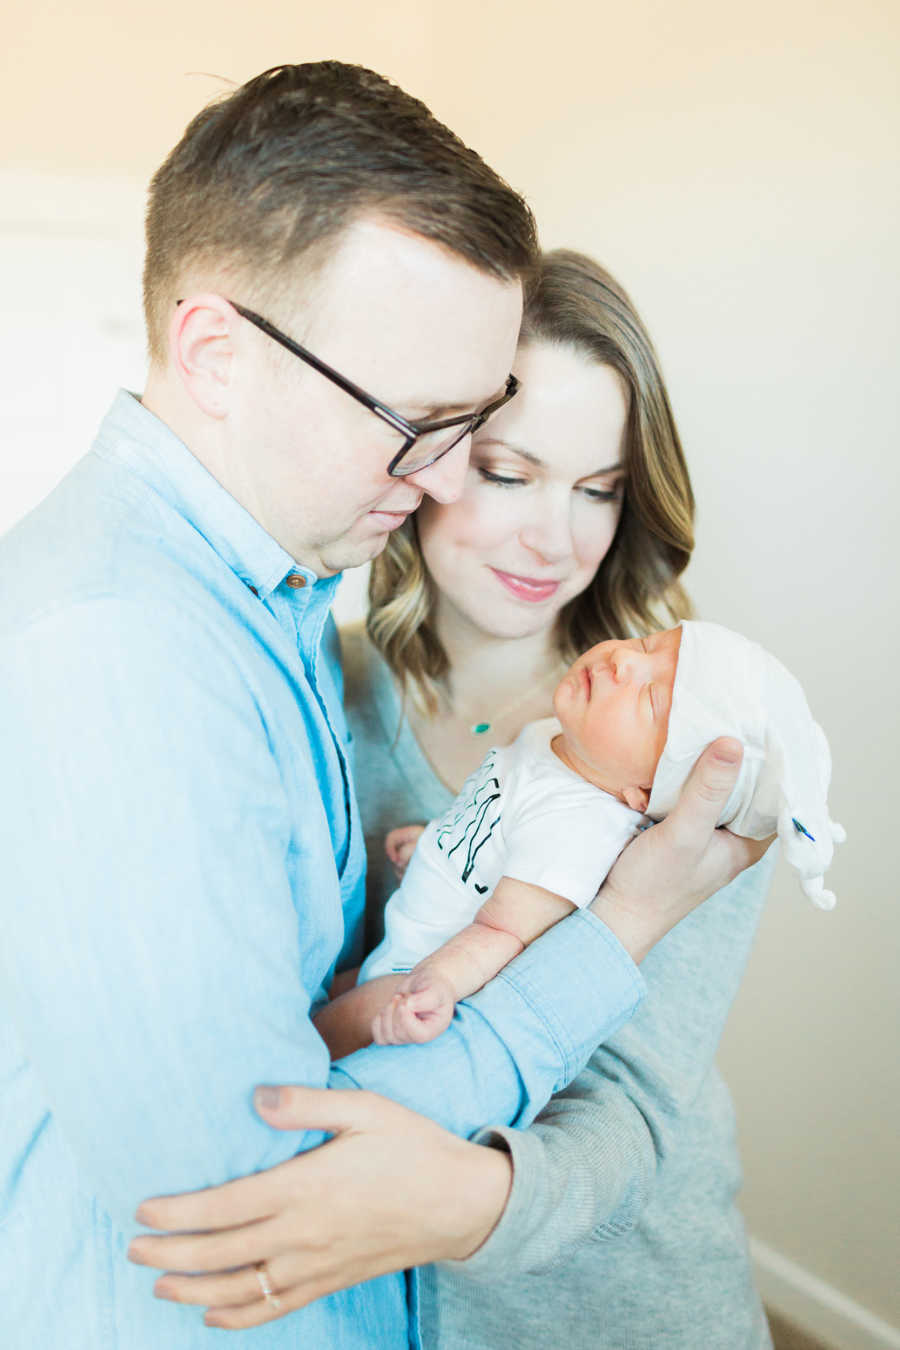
[(268, 1097), (136, 1255)]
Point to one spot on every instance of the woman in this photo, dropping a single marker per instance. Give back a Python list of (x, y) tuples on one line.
[(575, 524), (478, 607)]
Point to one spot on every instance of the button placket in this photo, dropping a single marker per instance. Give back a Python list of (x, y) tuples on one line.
[(310, 625)]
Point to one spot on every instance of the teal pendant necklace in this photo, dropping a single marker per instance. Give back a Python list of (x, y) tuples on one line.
[(481, 728)]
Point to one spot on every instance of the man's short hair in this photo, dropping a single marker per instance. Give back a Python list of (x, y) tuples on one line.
[(277, 168)]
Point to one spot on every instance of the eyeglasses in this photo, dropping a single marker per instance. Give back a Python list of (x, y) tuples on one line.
[(425, 442)]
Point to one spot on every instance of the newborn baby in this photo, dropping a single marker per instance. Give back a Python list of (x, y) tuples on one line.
[(535, 829)]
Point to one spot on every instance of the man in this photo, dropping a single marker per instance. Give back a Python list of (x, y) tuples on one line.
[(333, 290)]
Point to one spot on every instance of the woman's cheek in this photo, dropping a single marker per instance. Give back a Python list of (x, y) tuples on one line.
[(499, 515), (593, 534), (483, 519), (448, 535)]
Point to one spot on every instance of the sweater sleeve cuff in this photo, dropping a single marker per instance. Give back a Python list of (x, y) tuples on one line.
[(489, 1261)]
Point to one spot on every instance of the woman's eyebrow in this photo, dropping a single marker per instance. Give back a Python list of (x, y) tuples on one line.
[(516, 449), (542, 463), (601, 473)]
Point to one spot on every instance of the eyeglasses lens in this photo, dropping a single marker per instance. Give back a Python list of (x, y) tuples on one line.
[(430, 447)]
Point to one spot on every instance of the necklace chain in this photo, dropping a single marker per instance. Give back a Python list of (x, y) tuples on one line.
[(482, 726)]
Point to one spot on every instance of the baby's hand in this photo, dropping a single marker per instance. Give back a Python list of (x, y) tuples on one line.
[(400, 844), (421, 1009)]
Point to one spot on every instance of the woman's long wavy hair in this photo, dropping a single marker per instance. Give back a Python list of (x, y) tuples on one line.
[(574, 302)]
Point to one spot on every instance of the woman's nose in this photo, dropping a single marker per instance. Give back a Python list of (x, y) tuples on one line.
[(548, 534)]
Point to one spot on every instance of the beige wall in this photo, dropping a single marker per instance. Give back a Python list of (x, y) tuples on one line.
[(737, 169)]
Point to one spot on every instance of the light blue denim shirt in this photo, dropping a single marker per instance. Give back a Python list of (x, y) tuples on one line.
[(182, 866)]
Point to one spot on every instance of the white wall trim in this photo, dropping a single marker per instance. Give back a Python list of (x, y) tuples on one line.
[(816, 1307)]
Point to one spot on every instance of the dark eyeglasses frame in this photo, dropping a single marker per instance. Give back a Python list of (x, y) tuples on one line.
[(467, 422)]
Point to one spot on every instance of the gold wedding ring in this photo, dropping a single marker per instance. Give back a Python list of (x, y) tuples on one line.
[(265, 1284)]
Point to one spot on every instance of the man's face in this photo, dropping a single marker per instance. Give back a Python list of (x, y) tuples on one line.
[(613, 706), (417, 327)]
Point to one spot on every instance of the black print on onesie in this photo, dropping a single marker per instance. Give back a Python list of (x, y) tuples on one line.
[(462, 835)]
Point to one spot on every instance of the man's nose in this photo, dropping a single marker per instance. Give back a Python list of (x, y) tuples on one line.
[(444, 479)]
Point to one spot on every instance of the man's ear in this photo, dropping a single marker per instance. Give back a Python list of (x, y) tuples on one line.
[(637, 798), (201, 348)]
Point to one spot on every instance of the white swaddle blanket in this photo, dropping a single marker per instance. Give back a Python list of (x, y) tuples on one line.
[(726, 685)]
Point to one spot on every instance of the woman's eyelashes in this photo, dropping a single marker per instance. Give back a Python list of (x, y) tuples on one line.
[(500, 479), (610, 494), (600, 495)]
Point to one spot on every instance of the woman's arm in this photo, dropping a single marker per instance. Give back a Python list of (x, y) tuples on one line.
[(384, 1219), (588, 1165)]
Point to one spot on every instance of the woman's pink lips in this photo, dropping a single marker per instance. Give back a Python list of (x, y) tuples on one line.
[(523, 588)]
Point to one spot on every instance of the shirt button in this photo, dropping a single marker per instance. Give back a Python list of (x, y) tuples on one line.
[(295, 581)]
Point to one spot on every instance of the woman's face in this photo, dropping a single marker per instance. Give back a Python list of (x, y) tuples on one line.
[(541, 502)]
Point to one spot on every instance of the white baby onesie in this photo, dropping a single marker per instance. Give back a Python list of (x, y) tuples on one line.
[(521, 814)]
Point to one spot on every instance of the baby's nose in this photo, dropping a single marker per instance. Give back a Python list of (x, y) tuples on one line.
[(623, 663), (619, 663)]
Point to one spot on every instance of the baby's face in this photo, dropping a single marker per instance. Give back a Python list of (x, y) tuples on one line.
[(613, 705)]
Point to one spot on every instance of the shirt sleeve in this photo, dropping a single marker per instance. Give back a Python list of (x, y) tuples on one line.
[(544, 1013), (587, 1167), (151, 947), (150, 958)]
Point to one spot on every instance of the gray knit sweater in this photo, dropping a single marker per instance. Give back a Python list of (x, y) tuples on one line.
[(621, 1231)]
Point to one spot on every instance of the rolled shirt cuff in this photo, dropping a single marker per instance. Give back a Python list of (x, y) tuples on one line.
[(572, 989), (520, 1039)]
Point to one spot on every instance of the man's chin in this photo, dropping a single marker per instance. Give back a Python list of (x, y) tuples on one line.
[(344, 553)]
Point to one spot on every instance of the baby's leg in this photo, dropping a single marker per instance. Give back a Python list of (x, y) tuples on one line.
[(345, 1024)]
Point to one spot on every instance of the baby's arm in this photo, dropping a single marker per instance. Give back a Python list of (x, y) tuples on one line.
[(421, 1006)]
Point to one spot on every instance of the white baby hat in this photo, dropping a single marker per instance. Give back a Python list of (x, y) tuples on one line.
[(726, 685)]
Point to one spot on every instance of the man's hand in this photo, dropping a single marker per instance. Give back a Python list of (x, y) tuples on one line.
[(673, 867), (389, 1190)]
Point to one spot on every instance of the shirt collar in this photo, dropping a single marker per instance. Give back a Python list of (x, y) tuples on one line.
[(135, 437)]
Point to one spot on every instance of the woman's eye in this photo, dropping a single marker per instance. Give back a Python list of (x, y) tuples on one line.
[(502, 480), (603, 494)]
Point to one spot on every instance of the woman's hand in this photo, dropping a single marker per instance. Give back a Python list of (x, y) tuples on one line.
[(673, 867), (389, 1190), (400, 844)]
